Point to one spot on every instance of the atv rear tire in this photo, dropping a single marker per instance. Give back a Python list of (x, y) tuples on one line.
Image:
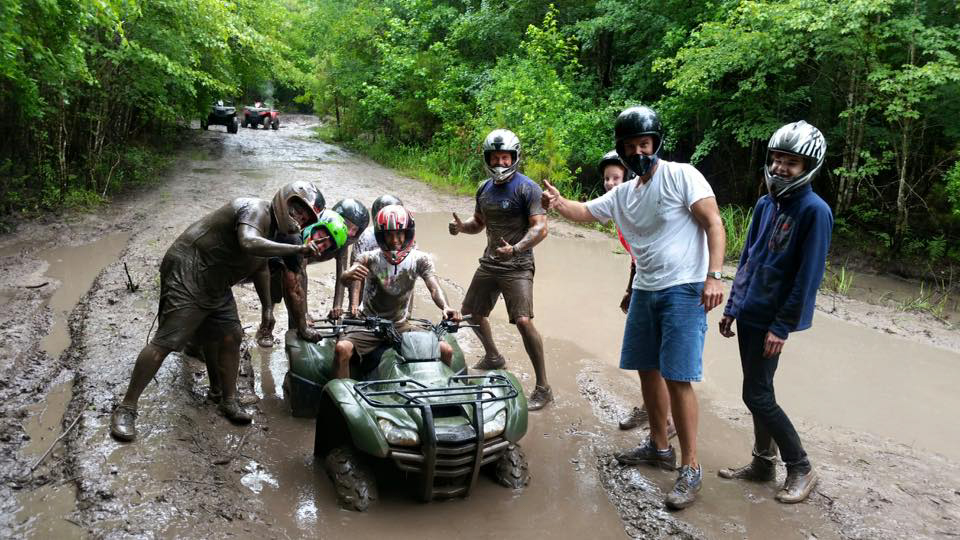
[(232, 126), (354, 483), (512, 470), (275, 125)]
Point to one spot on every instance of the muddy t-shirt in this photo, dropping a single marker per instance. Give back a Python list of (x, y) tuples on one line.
[(210, 257), (506, 210), (388, 290)]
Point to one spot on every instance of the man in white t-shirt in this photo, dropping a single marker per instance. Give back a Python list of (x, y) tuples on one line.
[(669, 216)]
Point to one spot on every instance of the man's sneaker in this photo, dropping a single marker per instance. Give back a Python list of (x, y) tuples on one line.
[(685, 489), (758, 470), (231, 409), (648, 454), (798, 486), (123, 423), (539, 398), (637, 417), (488, 363)]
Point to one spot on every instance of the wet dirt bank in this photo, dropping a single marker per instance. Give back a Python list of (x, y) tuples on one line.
[(192, 474)]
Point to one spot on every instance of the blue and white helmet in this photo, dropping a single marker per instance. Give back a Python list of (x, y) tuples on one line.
[(802, 140)]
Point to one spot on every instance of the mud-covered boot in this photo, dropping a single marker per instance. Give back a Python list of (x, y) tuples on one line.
[(491, 362), (232, 410), (685, 489), (123, 423), (539, 398), (761, 469), (214, 395), (648, 454), (637, 417), (798, 486)]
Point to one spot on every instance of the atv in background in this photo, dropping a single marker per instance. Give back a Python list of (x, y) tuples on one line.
[(438, 425), (222, 113), (260, 114)]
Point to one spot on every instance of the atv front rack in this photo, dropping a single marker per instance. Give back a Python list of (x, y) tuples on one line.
[(462, 460)]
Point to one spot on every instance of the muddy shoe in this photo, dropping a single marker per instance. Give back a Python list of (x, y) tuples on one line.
[(231, 409), (798, 486), (636, 418), (685, 489), (648, 454), (123, 423), (265, 337), (214, 396), (539, 398), (489, 363), (758, 470)]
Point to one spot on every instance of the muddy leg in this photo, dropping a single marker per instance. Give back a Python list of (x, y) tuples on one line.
[(446, 353), (533, 343), (485, 334), (657, 400), (148, 363), (261, 283), (229, 364), (686, 410), (211, 352)]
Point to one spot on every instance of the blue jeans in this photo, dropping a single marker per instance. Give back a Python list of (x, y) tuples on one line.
[(665, 331)]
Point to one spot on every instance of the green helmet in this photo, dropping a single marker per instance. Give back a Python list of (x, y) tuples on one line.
[(329, 224)]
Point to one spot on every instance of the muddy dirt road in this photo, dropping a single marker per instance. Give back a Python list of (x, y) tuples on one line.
[(871, 389)]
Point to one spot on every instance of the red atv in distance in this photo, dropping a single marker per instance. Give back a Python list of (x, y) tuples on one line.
[(260, 114)]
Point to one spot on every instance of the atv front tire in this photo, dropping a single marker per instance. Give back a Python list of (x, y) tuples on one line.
[(232, 126), (512, 470), (354, 483)]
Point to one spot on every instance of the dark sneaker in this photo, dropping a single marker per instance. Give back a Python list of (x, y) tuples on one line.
[(488, 363), (758, 470), (685, 489), (231, 409), (648, 454), (539, 398), (123, 423), (636, 418), (798, 486)]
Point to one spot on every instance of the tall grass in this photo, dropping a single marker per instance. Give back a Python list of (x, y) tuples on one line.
[(736, 221)]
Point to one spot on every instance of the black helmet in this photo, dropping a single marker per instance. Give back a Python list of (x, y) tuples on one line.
[(612, 158), (633, 122), (356, 213), (381, 201)]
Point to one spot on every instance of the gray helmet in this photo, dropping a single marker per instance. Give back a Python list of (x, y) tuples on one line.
[(613, 158), (502, 140), (638, 121), (381, 201), (302, 190), (802, 140), (356, 213)]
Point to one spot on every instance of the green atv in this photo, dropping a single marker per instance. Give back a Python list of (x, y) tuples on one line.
[(432, 422)]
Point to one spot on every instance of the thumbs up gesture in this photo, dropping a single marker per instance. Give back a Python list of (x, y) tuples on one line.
[(505, 251), (456, 226), (551, 195)]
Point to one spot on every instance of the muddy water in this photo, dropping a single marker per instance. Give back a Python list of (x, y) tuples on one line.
[(75, 267), (904, 294)]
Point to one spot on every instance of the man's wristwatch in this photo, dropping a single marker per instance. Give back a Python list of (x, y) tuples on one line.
[(715, 275)]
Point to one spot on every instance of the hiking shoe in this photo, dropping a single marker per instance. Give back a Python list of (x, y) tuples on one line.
[(685, 489), (648, 454), (637, 417), (758, 470), (123, 423), (489, 363), (539, 398), (231, 409), (798, 486)]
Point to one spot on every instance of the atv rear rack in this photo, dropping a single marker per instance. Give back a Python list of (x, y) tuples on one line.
[(421, 397)]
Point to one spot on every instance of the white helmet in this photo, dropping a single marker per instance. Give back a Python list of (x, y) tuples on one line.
[(502, 140), (798, 139)]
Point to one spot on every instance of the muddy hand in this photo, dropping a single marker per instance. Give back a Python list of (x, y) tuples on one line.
[(452, 315), (335, 313), (309, 334), (772, 345), (358, 272), (311, 249), (726, 326), (505, 251), (456, 225), (550, 195)]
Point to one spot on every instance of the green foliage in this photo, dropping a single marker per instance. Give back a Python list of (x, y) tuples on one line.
[(736, 222)]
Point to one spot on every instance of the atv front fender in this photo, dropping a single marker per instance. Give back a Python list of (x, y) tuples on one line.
[(364, 431), (516, 426)]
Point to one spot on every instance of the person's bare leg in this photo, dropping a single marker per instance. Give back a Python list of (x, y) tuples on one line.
[(229, 364), (657, 400), (261, 283), (148, 363), (446, 353), (211, 354), (485, 334), (533, 344), (686, 411), (342, 354)]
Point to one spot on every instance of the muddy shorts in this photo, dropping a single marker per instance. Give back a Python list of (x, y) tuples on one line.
[(516, 286), (365, 342)]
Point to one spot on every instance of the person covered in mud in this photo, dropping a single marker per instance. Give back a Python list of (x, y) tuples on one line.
[(508, 208), (774, 293), (196, 276), (286, 278), (389, 275), (670, 218)]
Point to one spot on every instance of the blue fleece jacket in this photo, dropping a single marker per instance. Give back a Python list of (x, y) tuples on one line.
[(782, 263)]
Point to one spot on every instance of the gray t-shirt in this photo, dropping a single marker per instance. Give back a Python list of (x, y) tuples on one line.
[(388, 290), (656, 220)]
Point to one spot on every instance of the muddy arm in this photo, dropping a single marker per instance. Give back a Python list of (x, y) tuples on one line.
[(339, 285), (439, 298), (473, 225), (253, 242), (295, 297), (535, 234)]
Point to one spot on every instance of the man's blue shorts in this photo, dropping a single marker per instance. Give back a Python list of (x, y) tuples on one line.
[(665, 330)]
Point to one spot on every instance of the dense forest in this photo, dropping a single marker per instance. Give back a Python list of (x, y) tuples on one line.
[(92, 90)]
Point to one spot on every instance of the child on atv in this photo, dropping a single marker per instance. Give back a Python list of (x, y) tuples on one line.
[(389, 275)]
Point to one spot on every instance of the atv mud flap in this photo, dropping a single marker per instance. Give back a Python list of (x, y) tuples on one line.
[(304, 395)]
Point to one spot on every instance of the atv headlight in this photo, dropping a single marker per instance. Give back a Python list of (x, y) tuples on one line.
[(494, 427), (398, 435)]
